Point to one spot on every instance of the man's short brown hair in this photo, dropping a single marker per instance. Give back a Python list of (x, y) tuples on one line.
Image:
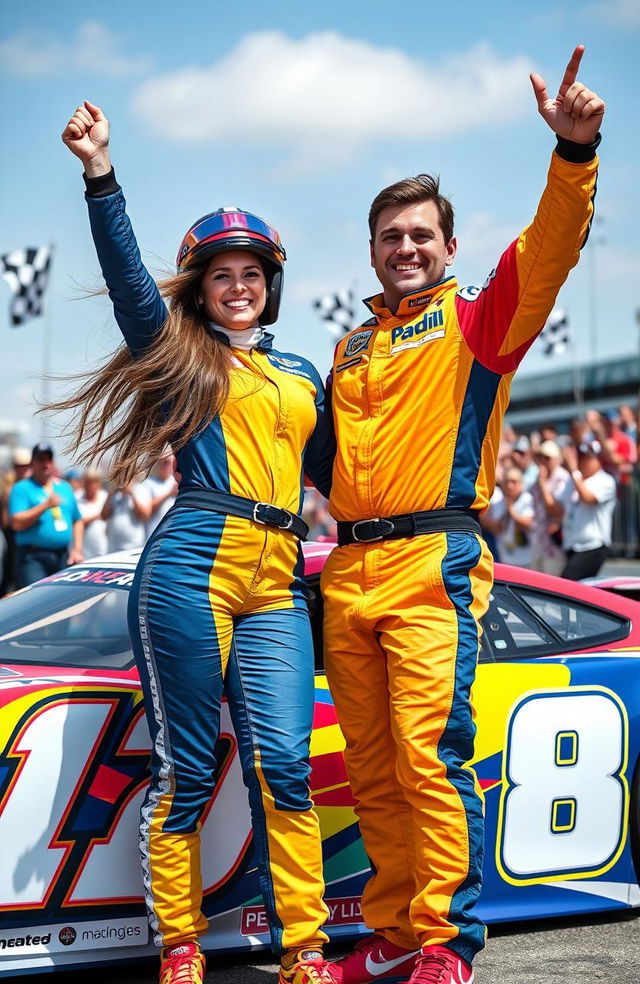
[(412, 191)]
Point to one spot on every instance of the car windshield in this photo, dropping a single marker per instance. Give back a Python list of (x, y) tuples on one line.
[(66, 625)]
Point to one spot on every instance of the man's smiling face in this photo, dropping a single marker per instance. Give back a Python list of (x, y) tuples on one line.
[(408, 251)]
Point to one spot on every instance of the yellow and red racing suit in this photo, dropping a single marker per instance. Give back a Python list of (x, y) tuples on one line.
[(419, 397)]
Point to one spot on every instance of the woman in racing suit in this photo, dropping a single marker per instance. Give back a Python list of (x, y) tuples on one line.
[(218, 598)]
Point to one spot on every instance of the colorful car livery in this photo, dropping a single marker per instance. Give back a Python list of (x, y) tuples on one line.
[(557, 750)]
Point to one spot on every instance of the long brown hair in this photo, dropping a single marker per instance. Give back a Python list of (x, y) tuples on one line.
[(168, 392)]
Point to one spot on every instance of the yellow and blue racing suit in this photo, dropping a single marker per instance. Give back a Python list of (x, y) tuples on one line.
[(218, 601), (419, 397)]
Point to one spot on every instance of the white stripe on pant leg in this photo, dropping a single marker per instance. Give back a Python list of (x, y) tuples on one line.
[(162, 746)]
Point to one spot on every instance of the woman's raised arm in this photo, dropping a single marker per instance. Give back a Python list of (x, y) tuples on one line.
[(138, 306)]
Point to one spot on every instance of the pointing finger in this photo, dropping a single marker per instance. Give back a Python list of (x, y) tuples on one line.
[(571, 71)]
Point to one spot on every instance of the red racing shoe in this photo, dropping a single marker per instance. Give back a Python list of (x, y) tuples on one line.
[(182, 963), (440, 965), (375, 958)]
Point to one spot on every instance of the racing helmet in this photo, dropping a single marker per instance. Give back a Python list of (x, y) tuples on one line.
[(233, 228)]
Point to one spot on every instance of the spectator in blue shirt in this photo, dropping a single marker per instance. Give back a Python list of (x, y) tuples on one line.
[(45, 518)]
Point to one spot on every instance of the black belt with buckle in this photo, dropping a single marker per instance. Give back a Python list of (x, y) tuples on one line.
[(237, 505), (409, 524)]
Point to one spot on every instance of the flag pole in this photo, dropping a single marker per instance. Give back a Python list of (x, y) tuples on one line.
[(576, 371), (46, 349)]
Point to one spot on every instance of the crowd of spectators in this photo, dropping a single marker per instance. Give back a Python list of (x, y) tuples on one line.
[(562, 504), (49, 520)]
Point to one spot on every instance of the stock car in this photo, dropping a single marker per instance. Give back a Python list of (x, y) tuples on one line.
[(557, 755)]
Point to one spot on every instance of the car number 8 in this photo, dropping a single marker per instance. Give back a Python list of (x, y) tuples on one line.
[(564, 805)]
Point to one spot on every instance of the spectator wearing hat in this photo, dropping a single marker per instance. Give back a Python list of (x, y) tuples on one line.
[(75, 479), (513, 519), (547, 553), (21, 463), (588, 503), (91, 502), (46, 521)]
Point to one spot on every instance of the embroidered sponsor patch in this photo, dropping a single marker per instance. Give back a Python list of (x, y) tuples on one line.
[(347, 365), (419, 301), (358, 342), (473, 293), (291, 363), (287, 365)]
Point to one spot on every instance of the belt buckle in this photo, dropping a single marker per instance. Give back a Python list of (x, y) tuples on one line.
[(289, 522), (285, 522), (372, 539)]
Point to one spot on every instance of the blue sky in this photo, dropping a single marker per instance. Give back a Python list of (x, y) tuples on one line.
[(302, 113)]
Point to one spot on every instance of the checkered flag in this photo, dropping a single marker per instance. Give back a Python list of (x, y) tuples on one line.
[(338, 310), (555, 334), (27, 273)]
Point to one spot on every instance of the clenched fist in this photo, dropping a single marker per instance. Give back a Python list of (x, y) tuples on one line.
[(87, 136)]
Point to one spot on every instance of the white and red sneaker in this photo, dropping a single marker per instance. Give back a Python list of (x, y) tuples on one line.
[(374, 958), (440, 965)]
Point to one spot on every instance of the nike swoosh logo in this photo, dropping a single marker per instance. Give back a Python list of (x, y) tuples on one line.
[(379, 969)]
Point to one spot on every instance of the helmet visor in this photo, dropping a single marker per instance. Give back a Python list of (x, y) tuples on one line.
[(230, 230)]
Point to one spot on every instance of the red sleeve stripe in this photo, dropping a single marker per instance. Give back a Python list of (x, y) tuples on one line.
[(485, 318)]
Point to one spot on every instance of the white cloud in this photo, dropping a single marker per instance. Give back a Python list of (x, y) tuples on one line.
[(326, 95), (94, 49), (481, 241), (620, 13), (550, 18)]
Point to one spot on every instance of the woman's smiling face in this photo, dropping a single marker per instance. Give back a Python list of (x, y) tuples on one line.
[(233, 290)]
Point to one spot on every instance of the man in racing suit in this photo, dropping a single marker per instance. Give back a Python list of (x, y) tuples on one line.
[(419, 395)]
